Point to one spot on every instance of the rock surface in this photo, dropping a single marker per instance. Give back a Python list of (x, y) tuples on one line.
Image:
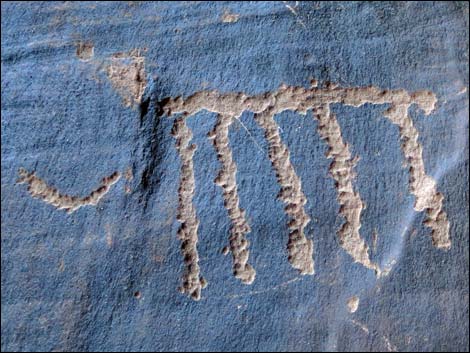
[(96, 102)]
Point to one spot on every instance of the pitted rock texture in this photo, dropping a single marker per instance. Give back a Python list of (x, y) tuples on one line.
[(93, 88)]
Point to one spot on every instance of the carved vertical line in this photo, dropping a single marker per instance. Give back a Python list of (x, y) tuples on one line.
[(341, 170), (300, 249), (226, 179), (422, 186), (187, 233)]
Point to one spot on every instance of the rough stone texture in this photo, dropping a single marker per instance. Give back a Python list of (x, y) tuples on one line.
[(83, 90)]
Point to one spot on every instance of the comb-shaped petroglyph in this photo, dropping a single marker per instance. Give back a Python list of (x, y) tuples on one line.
[(230, 106), (38, 188), (299, 99), (192, 281), (226, 179)]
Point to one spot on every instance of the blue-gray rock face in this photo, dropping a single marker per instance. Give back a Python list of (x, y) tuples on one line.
[(322, 147)]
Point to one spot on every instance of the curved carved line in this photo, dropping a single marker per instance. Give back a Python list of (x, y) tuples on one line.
[(38, 188)]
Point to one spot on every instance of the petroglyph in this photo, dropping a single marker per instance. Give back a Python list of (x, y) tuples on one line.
[(301, 100), (126, 74), (126, 71), (187, 233), (299, 248), (226, 179), (341, 169), (298, 99), (422, 186), (38, 188)]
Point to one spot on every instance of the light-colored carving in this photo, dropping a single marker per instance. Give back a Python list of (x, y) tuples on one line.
[(301, 100), (126, 71), (298, 99), (229, 17), (299, 248), (38, 188), (341, 169), (353, 304), (422, 186), (226, 179), (192, 281), (128, 67)]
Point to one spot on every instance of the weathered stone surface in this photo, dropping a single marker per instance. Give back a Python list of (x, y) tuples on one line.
[(104, 102)]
